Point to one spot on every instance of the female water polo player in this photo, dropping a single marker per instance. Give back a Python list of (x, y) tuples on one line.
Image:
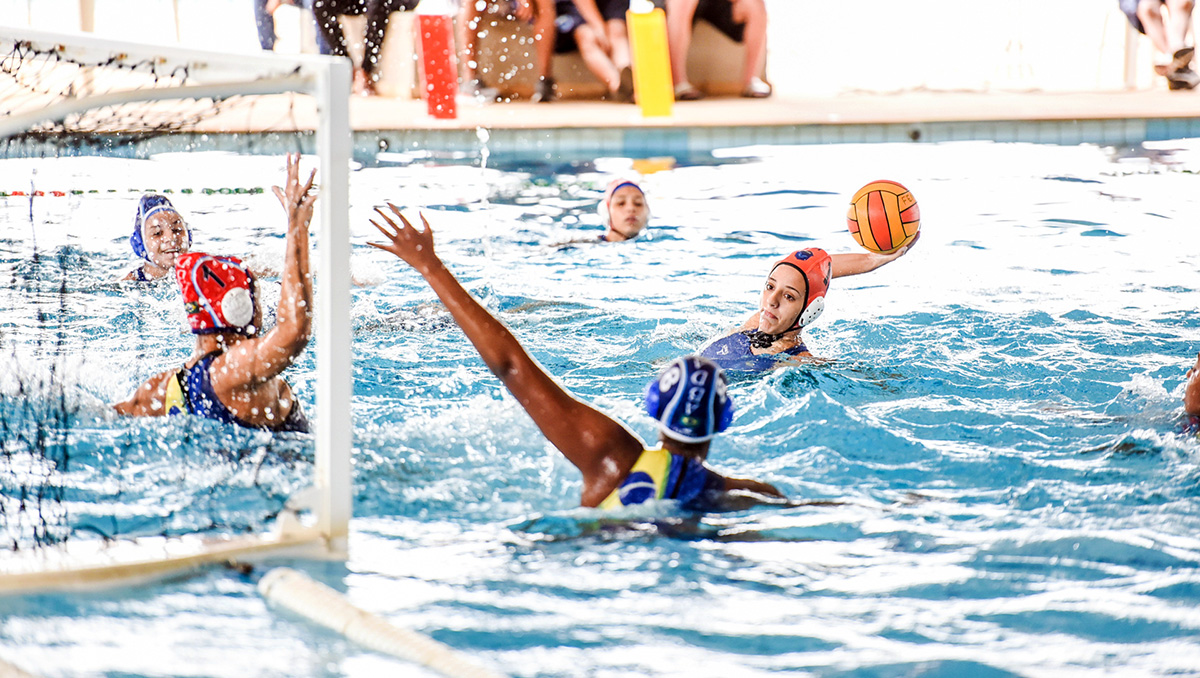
[(234, 375), (159, 236), (624, 211), (792, 298), (688, 399)]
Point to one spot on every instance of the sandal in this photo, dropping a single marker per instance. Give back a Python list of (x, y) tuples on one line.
[(1184, 78), (686, 91), (757, 89), (1182, 58), (543, 92)]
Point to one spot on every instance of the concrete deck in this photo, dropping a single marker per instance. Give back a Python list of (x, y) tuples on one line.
[(573, 128), (377, 113)]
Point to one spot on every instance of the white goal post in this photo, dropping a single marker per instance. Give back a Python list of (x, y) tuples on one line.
[(98, 73)]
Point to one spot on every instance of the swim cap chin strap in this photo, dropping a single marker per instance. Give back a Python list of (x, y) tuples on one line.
[(218, 293), (816, 267), (689, 400)]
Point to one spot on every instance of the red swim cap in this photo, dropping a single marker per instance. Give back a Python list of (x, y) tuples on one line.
[(218, 293), (816, 266)]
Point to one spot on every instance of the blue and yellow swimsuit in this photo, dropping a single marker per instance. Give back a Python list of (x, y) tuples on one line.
[(658, 474), (733, 353), (190, 391)]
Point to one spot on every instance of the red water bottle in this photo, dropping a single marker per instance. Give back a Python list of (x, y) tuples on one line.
[(435, 55)]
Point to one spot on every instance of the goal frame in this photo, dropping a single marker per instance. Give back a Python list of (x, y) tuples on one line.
[(329, 499)]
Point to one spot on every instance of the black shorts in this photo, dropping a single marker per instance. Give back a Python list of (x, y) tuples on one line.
[(719, 13), (568, 19)]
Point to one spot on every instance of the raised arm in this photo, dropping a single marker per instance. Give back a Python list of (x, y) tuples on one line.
[(602, 448), (265, 357), (149, 400), (854, 264)]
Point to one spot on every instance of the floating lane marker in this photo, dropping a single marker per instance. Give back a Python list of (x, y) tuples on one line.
[(317, 602), (255, 190)]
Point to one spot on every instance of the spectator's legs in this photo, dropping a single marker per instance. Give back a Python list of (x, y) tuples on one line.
[(544, 34), (467, 30), (1178, 24), (679, 37), (322, 45), (265, 23), (326, 14), (618, 37), (1169, 35), (752, 13), (378, 13), (596, 59)]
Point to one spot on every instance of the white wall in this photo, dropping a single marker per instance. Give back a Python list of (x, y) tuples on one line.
[(889, 45), (815, 47)]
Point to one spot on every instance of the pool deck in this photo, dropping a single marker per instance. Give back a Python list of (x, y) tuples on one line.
[(376, 113), (583, 127)]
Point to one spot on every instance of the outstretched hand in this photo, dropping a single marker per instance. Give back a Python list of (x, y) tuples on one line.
[(297, 200), (414, 246), (903, 250)]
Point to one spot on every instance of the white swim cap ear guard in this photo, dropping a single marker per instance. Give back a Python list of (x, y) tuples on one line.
[(689, 400)]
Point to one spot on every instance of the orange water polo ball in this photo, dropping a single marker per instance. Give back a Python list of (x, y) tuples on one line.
[(883, 216)]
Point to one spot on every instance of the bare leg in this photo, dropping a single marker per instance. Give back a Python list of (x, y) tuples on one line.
[(378, 14), (596, 59), (1178, 24), (754, 15), (544, 34), (1150, 13), (618, 37), (679, 36), (467, 28)]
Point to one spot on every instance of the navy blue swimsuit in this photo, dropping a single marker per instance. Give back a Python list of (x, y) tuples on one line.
[(200, 399), (733, 353)]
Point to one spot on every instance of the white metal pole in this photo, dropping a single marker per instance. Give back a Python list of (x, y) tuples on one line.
[(334, 378)]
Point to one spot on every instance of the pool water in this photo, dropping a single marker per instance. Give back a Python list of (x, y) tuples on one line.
[(996, 413)]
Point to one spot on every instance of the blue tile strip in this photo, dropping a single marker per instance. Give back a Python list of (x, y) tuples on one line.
[(586, 143)]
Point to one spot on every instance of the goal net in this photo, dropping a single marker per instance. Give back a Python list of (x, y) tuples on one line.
[(86, 127)]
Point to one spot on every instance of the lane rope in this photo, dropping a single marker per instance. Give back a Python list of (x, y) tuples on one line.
[(95, 191)]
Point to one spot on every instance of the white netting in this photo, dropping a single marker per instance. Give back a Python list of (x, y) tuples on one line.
[(93, 91)]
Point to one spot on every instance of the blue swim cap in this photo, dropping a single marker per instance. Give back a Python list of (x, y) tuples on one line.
[(689, 401), (149, 205)]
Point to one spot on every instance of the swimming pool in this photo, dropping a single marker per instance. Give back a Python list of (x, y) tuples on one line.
[(997, 411)]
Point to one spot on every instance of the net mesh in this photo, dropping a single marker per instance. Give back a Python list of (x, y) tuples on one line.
[(73, 339), (39, 77)]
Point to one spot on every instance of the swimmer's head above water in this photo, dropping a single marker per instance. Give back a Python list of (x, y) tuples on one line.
[(218, 294), (689, 401), (159, 231), (624, 210), (794, 294)]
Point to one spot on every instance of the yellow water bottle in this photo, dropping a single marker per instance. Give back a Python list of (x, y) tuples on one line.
[(651, 61)]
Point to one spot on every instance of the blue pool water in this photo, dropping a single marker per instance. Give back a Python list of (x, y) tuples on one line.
[(997, 412)]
